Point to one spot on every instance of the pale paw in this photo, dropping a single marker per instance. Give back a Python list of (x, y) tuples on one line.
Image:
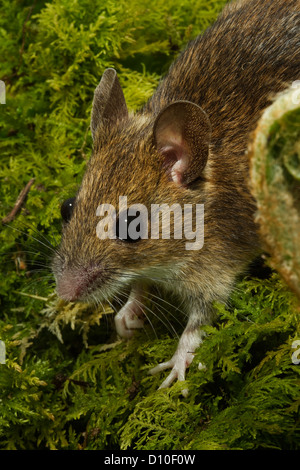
[(126, 329), (181, 360), (130, 317), (179, 366)]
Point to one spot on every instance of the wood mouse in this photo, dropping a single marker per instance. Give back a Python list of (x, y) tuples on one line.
[(186, 146)]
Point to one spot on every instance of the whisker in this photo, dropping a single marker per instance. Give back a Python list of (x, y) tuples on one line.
[(142, 306), (21, 251), (35, 230), (111, 305), (49, 247), (105, 316), (168, 325), (29, 286), (140, 276), (161, 298), (161, 307)]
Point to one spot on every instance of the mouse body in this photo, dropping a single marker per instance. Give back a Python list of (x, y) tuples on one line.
[(187, 147)]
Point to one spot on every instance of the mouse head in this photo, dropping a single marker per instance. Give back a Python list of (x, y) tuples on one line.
[(121, 225)]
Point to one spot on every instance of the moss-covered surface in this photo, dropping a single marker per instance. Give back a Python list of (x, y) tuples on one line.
[(68, 382), (275, 181)]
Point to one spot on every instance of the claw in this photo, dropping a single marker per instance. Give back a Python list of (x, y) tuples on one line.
[(177, 372), (131, 316), (181, 360)]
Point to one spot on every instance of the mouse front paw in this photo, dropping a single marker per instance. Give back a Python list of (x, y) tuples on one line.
[(131, 316), (179, 364), (181, 360)]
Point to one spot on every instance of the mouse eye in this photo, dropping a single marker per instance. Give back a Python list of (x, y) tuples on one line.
[(67, 208), (127, 229)]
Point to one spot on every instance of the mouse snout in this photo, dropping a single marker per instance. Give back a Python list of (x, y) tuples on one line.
[(74, 284)]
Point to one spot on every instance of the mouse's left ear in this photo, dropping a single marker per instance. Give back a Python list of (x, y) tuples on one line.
[(182, 133), (109, 103)]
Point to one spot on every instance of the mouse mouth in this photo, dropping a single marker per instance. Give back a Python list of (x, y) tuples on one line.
[(79, 284)]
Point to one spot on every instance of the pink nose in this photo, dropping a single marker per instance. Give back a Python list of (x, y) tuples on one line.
[(75, 283)]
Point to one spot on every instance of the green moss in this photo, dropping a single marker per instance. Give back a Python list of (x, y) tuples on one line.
[(275, 174), (68, 383), (67, 396)]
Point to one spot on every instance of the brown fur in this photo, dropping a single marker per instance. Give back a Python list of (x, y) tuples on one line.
[(232, 71)]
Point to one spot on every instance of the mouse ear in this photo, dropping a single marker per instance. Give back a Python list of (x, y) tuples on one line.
[(182, 134), (109, 103)]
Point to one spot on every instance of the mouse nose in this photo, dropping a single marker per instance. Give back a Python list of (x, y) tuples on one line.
[(74, 284)]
